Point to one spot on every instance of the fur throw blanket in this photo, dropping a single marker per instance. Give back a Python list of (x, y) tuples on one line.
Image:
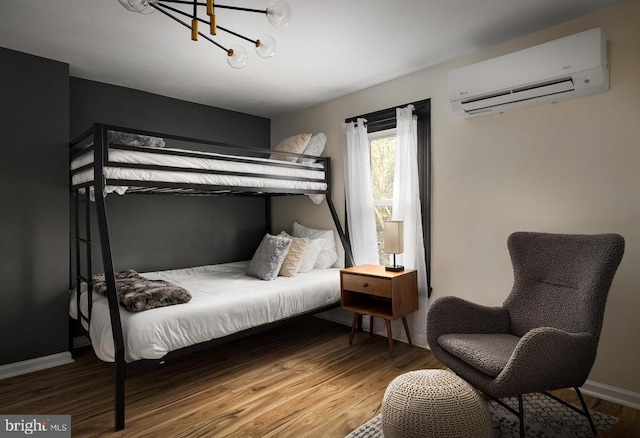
[(136, 293)]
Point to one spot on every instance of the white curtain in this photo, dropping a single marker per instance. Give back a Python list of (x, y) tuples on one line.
[(360, 210), (406, 194)]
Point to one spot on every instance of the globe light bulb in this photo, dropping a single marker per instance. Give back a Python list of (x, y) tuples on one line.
[(127, 5), (142, 6), (266, 46), (278, 13), (237, 57)]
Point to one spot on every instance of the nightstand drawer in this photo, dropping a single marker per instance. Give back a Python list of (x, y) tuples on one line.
[(369, 285)]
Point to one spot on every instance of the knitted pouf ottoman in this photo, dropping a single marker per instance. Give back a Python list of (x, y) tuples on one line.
[(435, 404)]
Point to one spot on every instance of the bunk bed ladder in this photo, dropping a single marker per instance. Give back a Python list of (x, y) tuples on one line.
[(83, 239)]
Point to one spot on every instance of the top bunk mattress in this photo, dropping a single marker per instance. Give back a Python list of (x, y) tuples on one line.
[(169, 165), (224, 301)]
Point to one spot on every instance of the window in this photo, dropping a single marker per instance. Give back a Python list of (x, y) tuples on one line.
[(383, 153), (380, 127)]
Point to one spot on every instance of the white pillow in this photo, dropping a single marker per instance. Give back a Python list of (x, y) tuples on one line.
[(328, 255), (311, 252), (315, 147)]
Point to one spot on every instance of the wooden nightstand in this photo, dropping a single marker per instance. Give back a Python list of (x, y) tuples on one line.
[(371, 290)]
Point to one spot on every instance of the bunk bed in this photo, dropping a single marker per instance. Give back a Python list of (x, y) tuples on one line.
[(102, 163)]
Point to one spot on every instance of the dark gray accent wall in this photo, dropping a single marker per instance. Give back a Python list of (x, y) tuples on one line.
[(34, 239), (98, 102), (155, 232)]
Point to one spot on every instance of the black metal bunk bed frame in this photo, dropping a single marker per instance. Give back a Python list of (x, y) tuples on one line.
[(99, 134)]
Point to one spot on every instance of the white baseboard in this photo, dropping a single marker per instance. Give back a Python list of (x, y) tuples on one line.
[(611, 393), (37, 364)]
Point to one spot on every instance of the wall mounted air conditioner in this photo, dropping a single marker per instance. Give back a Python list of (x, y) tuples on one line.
[(569, 67)]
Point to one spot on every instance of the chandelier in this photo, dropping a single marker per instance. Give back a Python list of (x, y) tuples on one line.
[(278, 13)]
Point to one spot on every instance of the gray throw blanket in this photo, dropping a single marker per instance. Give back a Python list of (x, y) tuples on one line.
[(136, 293)]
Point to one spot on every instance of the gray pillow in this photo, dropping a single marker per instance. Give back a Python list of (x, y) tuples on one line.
[(129, 139), (268, 258)]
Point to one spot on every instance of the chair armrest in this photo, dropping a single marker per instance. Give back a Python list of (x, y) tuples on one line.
[(547, 358), (456, 315)]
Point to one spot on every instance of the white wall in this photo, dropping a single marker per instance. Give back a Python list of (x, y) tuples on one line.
[(569, 167)]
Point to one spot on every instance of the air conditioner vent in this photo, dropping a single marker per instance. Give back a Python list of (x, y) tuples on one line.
[(522, 94), (573, 66), (542, 85)]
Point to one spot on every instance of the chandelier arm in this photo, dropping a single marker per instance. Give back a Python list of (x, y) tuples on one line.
[(235, 8), (159, 8), (211, 41), (182, 2), (178, 11), (238, 35)]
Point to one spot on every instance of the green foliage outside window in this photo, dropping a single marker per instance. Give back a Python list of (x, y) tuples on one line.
[(383, 152)]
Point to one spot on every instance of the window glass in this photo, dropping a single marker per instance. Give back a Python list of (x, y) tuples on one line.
[(383, 154)]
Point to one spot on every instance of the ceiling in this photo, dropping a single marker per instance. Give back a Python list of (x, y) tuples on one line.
[(331, 48)]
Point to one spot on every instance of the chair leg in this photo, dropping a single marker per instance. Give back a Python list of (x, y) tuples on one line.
[(586, 412), (521, 415), (518, 413)]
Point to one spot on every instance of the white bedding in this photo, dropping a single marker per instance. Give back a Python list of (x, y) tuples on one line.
[(256, 167), (224, 301)]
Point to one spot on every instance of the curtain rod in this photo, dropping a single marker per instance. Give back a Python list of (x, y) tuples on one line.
[(389, 114)]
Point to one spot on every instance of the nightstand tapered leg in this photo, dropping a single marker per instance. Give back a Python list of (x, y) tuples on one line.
[(371, 325), (353, 327), (406, 329), (389, 337)]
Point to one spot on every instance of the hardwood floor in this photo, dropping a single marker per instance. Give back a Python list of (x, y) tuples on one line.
[(299, 380)]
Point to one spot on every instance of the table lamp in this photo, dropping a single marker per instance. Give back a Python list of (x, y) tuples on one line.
[(394, 242)]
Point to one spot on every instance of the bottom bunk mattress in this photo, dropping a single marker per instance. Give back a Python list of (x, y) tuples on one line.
[(224, 301)]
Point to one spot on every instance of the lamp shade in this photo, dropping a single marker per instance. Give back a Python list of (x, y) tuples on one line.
[(394, 237)]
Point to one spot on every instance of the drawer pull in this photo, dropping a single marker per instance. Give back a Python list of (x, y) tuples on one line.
[(365, 284)]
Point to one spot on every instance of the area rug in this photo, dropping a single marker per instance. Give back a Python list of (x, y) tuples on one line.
[(544, 418)]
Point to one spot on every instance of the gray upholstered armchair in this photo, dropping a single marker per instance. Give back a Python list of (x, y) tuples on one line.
[(545, 335)]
